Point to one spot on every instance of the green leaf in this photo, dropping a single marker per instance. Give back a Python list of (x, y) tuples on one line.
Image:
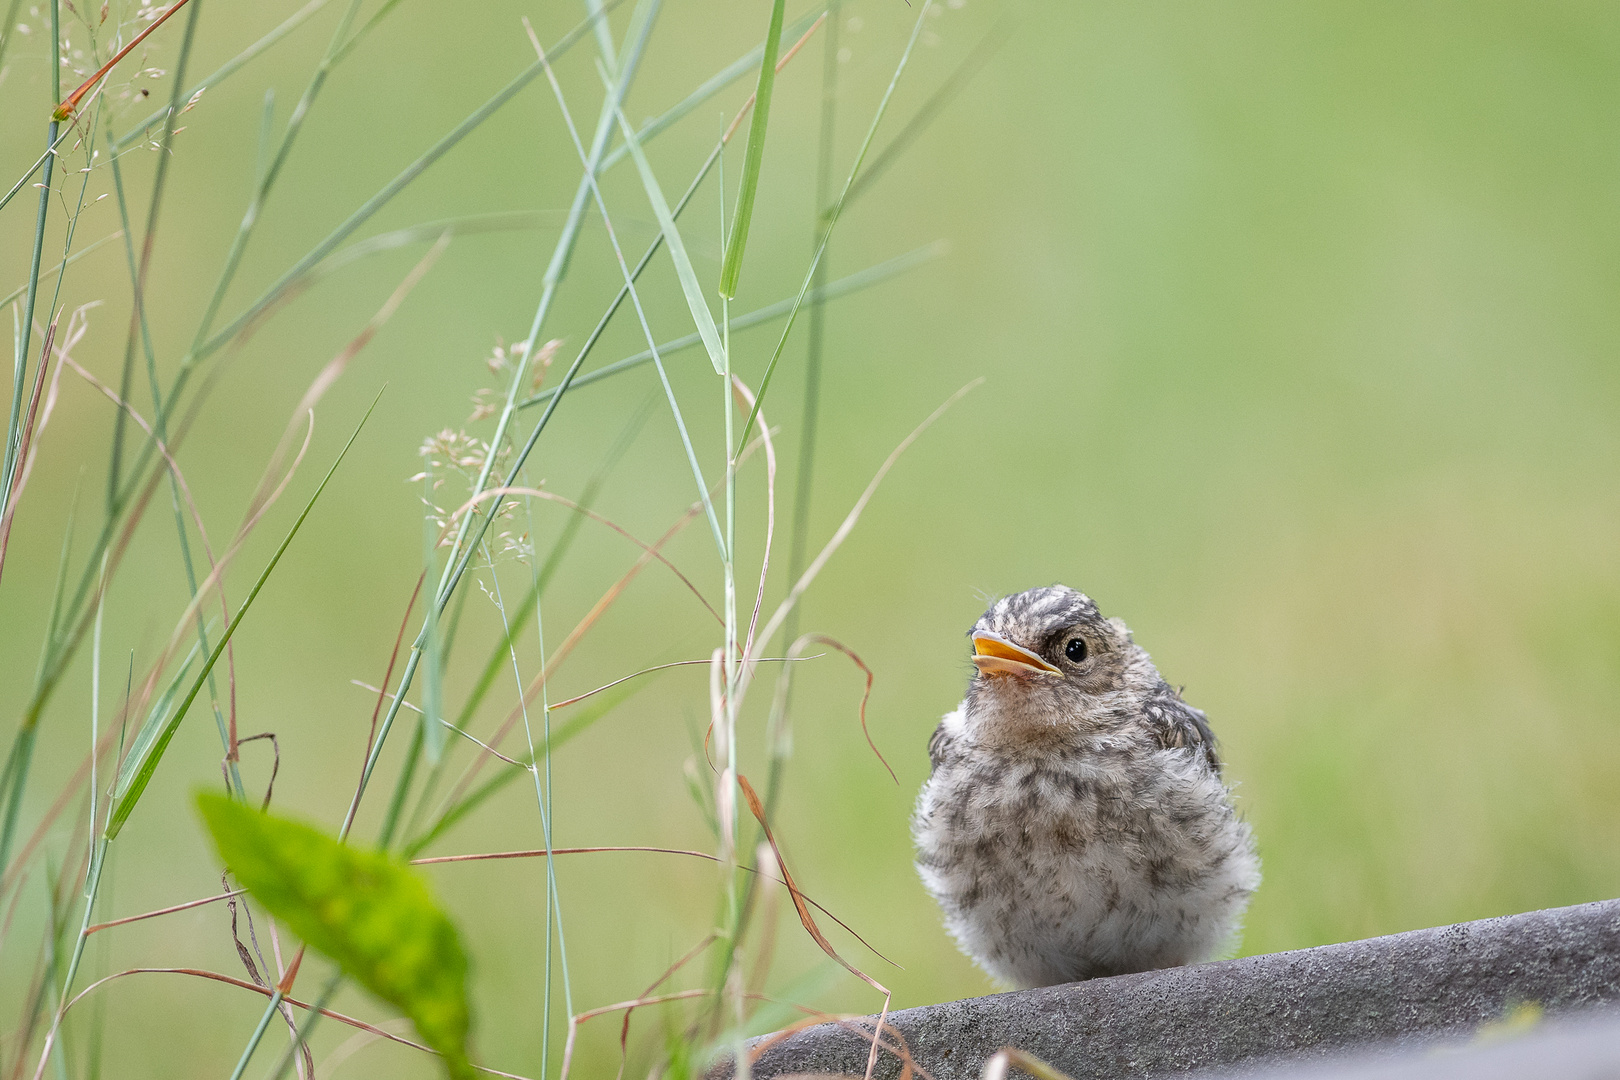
[(731, 269), (368, 911)]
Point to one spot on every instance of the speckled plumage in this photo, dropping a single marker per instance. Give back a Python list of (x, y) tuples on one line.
[(1075, 823)]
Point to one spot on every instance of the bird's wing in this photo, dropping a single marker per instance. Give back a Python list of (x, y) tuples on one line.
[(1178, 724)]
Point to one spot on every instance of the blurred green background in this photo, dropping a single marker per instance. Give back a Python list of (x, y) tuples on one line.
[(1298, 326)]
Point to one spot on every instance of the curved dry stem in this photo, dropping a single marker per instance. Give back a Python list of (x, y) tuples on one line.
[(866, 694), (187, 906), (848, 525), (624, 1029)]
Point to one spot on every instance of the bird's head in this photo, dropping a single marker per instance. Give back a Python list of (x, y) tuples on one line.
[(1048, 655)]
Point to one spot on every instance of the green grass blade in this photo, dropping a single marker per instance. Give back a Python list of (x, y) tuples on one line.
[(8, 29), (832, 217), (942, 96), (731, 269), (18, 762), (693, 291), (456, 565), (147, 735), (124, 805), (604, 34), (461, 551), (371, 24), (531, 597), (40, 698), (54, 624)]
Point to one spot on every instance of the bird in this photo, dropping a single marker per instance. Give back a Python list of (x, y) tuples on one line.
[(1075, 823)]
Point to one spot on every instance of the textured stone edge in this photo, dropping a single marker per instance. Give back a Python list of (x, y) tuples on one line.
[(1311, 1004)]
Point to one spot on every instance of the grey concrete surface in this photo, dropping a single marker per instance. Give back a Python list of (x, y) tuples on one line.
[(1396, 993)]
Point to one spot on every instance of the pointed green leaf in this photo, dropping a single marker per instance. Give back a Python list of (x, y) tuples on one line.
[(366, 910), (731, 269)]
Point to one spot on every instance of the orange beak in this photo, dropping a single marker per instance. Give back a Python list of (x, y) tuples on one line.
[(995, 655)]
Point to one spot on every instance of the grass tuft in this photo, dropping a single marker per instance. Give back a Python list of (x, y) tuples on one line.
[(497, 587)]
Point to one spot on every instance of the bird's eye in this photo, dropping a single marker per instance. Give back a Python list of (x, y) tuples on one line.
[(1075, 650)]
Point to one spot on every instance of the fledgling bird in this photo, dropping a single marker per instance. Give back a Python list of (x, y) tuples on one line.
[(1075, 823)]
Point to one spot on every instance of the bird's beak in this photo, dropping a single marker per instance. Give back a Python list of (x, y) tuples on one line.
[(995, 655)]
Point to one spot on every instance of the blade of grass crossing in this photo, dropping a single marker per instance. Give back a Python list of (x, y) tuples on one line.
[(97, 846), (587, 499), (39, 162), (151, 728), (602, 703), (604, 34), (388, 191), (20, 360), (753, 157)]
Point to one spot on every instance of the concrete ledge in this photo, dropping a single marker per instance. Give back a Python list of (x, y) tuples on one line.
[(1397, 992)]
